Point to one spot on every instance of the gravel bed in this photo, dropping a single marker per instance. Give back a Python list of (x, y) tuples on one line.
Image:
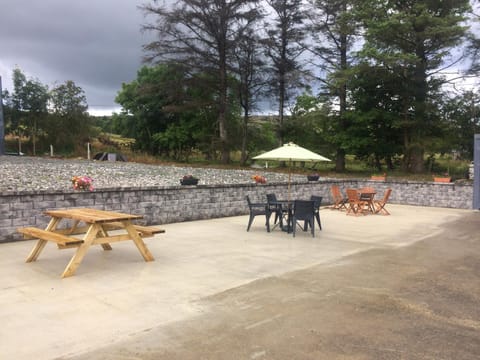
[(24, 173)]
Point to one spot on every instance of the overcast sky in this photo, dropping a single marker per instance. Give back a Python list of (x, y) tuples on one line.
[(95, 43)]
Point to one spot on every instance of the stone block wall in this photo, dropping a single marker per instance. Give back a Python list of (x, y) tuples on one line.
[(161, 205)]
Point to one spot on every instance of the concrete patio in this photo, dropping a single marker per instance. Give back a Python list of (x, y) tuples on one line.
[(213, 292)]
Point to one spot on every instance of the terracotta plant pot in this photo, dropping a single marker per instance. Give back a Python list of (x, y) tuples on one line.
[(442, 179), (378, 178)]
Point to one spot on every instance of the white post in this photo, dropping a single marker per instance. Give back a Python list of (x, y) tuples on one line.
[(51, 150), (88, 151)]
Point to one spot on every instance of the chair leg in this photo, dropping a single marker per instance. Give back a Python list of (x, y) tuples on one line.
[(317, 216), (306, 224), (250, 221), (281, 220), (277, 217), (351, 209), (267, 221), (381, 209), (356, 209)]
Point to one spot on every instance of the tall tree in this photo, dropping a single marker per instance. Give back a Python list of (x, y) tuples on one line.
[(462, 117), (251, 80), (201, 34), (334, 29), (30, 100), (474, 40), (415, 36), (7, 110), (68, 99), (143, 101), (168, 112), (373, 132), (69, 123), (285, 33)]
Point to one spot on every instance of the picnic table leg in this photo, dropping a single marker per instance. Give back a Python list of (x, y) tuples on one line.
[(37, 249), (77, 258), (74, 226), (147, 255), (105, 246)]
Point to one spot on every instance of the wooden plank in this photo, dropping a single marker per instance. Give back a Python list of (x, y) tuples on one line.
[(47, 235), (70, 245), (91, 215), (146, 231), (111, 239), (73, 231), (149, 229)]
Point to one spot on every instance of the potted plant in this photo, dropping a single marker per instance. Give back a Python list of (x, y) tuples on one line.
[(445, 178), (376, 177), (189, 180), (313, 177), (259, 179), (82, 183)]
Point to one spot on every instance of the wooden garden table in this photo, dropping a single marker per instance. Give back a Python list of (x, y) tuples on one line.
[(91, 227)]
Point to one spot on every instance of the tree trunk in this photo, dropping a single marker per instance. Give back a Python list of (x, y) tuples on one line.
[(281, 107), (223, 138), (417, 148), (34, 136), (417, 164), (222, 105), (243, 158), (340, 163)]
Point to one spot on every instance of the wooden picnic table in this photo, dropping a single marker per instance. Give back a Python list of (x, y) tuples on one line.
[(86, 227), (367, 194)]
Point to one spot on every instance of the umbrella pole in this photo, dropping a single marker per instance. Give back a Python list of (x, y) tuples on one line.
[(289, 182)]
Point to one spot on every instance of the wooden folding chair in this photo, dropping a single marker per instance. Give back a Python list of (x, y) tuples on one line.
[(356, 205), (339, 202), (380, 204)]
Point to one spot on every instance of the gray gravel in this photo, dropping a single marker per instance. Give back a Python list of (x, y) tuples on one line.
[(23, 173)]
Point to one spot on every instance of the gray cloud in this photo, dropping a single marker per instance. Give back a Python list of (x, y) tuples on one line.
[(97, 44)]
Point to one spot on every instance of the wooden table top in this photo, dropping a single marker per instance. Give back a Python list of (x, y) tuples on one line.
[(89, 215)]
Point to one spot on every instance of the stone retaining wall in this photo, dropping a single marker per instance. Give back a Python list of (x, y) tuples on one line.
[(161, 205)]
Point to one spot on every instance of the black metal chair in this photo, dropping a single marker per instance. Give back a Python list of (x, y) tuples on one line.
[(276, 208), (303, 210), (258, 209), (317, 201)]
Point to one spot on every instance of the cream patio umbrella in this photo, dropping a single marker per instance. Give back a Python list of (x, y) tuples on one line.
[(291, 152)]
